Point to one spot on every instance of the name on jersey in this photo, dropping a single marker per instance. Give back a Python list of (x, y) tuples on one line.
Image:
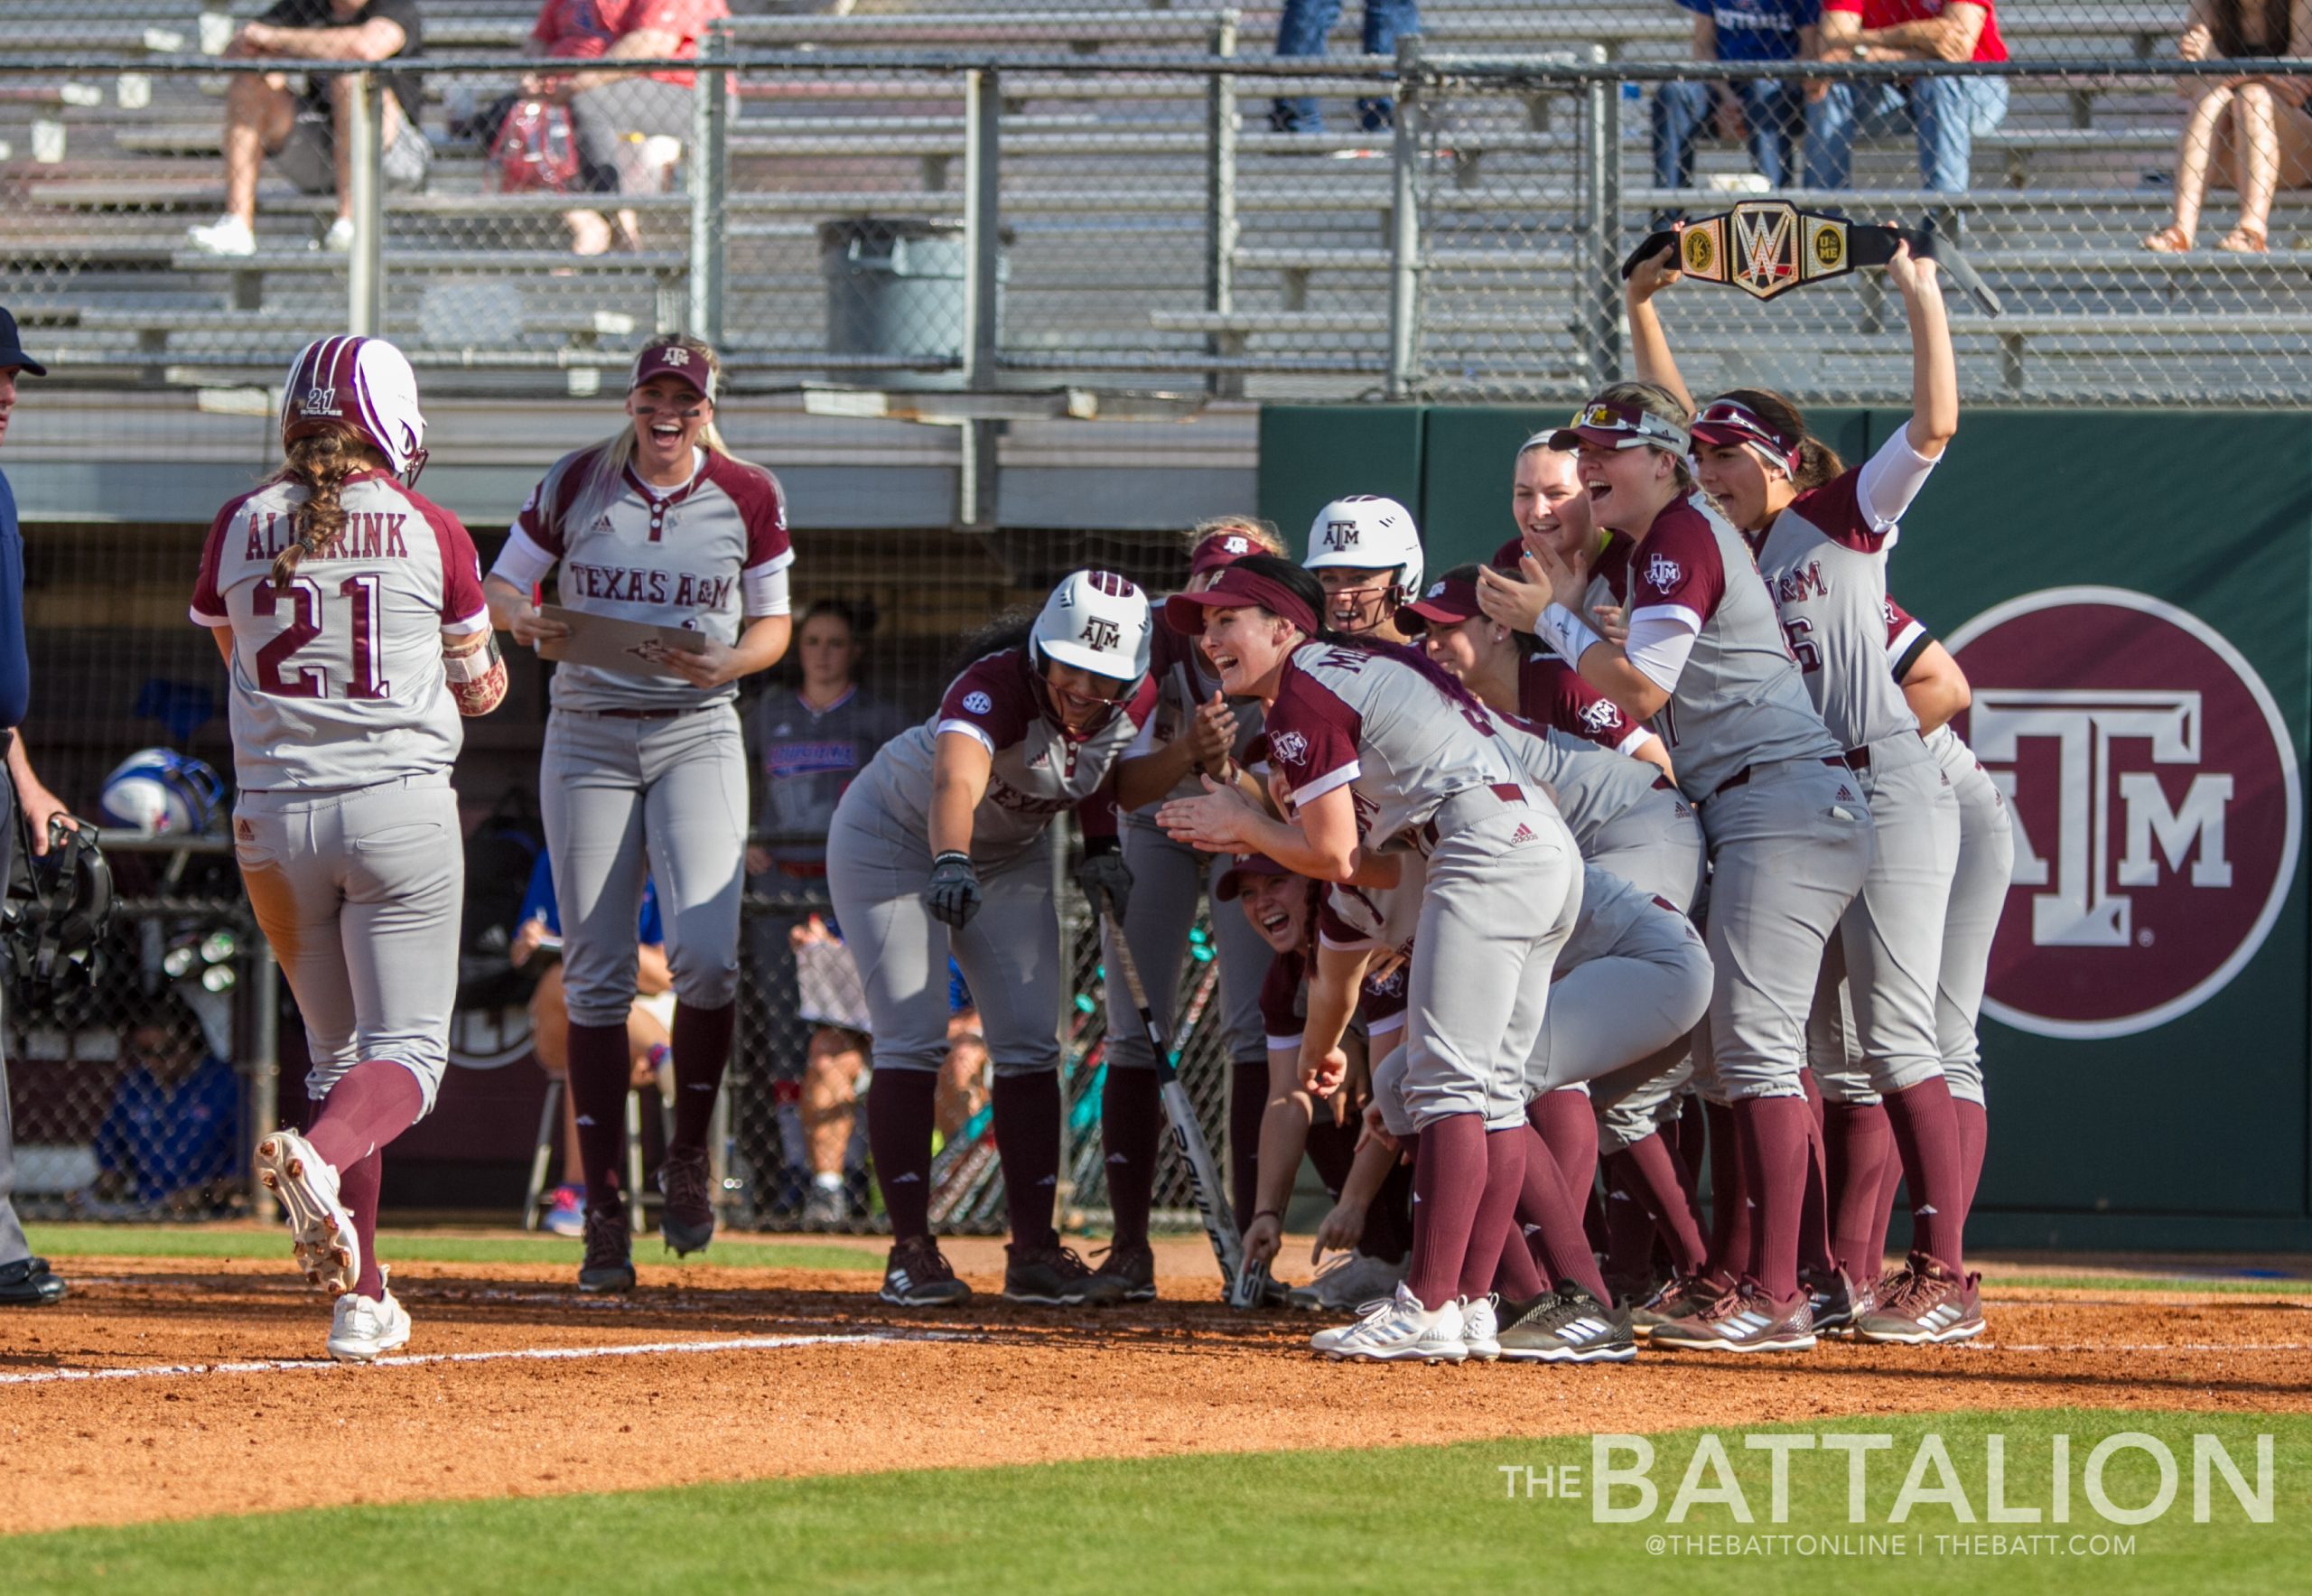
[(1795, 587), (1005, 796), (785, 760), (368, 535), (637, 584)]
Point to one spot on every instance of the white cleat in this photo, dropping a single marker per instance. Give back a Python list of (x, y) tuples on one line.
[(320, 1226), (362, 1331), (1324, 1340), (1406, 1332), (1481, 1327), (1354, 1279)]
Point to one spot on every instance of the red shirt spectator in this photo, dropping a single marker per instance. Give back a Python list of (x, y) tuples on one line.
[(1894, 13), (584, 30)]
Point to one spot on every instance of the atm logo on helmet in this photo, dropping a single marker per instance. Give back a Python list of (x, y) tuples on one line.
[(1340, 535), (1103, 635), (2157, 805)]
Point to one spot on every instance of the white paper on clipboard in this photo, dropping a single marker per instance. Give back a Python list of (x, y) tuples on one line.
[(610, 644)]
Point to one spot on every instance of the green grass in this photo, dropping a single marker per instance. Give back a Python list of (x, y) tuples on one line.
[(1425, 1519), (62, 1242), (1997, 1279)]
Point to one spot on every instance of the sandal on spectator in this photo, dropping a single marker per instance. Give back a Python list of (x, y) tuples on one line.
[(2170, 239), (2244, 240)]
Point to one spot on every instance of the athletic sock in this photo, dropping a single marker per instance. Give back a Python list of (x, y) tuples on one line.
[(1926, 1135), (1629, 1227), (1131, 1116), (1772, 1132), (1388, 1222), (1814, 1255), (1656, 1179), (901, 1117), (1494, 1223), (1883, 1214), (1516, 1276), (1552, 1225), (356, 1188), (1974, 1135), (1730, 1195), (370, 1104), (1248, 1103), (701, 1039), (1568, 1126), (1448, 1181), (1858, 1143), (1027, 1141), (600, 1071)]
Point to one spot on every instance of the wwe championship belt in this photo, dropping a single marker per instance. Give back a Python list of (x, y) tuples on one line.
[(1769, 246)]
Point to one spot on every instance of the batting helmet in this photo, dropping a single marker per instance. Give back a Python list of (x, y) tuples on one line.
[(359, 384), (161, 793), (1369, 533), (1094, 620)]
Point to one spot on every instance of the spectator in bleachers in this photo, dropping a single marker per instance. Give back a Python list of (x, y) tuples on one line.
[(1771, 109), (2258, 123), (1301, 30), (609, 109), (1946, 113), (308, 136), (172, 1137)]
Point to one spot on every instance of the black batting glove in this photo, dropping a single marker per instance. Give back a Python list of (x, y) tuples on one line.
[(953, 894)]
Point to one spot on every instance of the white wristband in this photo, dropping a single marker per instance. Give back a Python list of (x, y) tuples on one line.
[(1568, 633)]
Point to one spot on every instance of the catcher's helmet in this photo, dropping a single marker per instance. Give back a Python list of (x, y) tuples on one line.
[(58, 907), (161, 793)]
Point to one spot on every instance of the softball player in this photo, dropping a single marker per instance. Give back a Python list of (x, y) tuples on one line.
[(1366, 552), (350, 617), (644, 769), (1384, 752), (1788, 830), (1193, 730), (1820, 534), (944, 843)]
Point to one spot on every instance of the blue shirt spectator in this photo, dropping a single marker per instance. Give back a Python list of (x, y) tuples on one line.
[(1773, 111), (175, 1124), (1757, 30), (538, 904)]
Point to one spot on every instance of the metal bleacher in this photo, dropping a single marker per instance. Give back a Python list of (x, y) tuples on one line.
[(1105, 201)]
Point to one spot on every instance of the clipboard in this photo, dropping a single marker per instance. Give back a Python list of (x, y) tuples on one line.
[(610, 644)]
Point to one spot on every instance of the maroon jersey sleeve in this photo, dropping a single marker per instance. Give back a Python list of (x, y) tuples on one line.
[(991, 701), (1678, 569), (461, 601), (1835, 510), (1280, 1000), (208, 603), (1551, 692), (1312, 736), (760, 504), (541, 517), (1381, 1001)]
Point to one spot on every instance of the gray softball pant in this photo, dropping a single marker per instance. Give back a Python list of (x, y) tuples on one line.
[(625, 799), (1503, 894), (1657, 848), (1788, 850), (1620, 1022), (360, 892), (1166, 878), (877, 870)]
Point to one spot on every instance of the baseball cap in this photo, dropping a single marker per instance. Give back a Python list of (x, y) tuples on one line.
[(1620, 426), (1447, 602), (674, 359), (11, 349), (1234, 880), (1236, 589), (1219, 549), (1729, 422)]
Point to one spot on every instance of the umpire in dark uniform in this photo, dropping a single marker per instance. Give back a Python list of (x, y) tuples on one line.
[(25, 1281)]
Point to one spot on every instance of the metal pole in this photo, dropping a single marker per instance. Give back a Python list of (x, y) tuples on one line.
[(710, 181), (1597, 262), (1220, 206), (365, 273), (983, 227), (1404, 223), (264, 1056)]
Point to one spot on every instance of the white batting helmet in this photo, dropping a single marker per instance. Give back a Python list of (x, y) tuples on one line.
[(1094, 620), (361, 384), (1369, 533), (161, 793)]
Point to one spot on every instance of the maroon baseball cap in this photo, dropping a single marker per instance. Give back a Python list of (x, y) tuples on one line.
[(676, 360), (1620, 426), (1235, 589), (1221, 549), (1234, 879), (1730, 423), (1447, 602), (1507, 556)]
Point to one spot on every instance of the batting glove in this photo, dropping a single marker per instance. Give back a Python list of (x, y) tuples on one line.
[(1104, 878), (953, 896)]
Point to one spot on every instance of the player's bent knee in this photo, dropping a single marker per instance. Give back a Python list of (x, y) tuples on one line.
[(1037, 1063)]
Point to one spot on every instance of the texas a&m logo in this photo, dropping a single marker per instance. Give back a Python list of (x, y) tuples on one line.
[(1662, 572), (1600, 717), (1103, 635), (1340, 535), (2156, 801)]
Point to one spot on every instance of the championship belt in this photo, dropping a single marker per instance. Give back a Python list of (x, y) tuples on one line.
[(1769, 246)]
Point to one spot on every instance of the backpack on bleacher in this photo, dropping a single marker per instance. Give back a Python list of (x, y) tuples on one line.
[(535, 148)]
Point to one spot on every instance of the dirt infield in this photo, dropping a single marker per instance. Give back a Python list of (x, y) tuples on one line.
[(174, 1388)]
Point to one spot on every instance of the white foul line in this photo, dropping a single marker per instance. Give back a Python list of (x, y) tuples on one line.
[(407, 1360), (2140, 1347)]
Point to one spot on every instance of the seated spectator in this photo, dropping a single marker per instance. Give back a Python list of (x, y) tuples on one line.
[(2258, 123), (648, 1023), (171, 1138), (1300, 30), (308, 137), (1946, 113), (1770, 111), (610, 107)]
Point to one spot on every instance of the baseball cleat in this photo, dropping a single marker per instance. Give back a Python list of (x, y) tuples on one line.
[(918, 1275), (1567, 1325), (360, 1330), (609, 1264), (1132, 1270), (1480, 1326), (320, 1225), (1832, 1299), (1740, 1322), (1324, 1340), (1050, 1276), (1404, 1332), (687, 1219), (30, 1283), (1922, 1304), (1676, 1298), (1347, 1284)]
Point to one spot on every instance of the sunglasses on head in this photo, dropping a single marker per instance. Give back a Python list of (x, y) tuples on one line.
[(1643, 428)]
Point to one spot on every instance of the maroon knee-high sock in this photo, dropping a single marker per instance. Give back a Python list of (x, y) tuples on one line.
[(1552, 1223), (1495, 1225), (702, 1043), (356, 1188), (900, 1117), (1693, 1128), (370, 1104), (1729, 1196), (1518, 1276), (1248, 1103), (1569, 1129), (1815, 1211), (1332, 1149), (1656, 1180), (1629, 1226), (599, 1072), (1927, 1136), (1388, 1222), (1027, 1141), (1448, 1182), (1132, 1128), (1859, 1143), (1882, 1210), (1974, 1135), (1773, 1163)]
